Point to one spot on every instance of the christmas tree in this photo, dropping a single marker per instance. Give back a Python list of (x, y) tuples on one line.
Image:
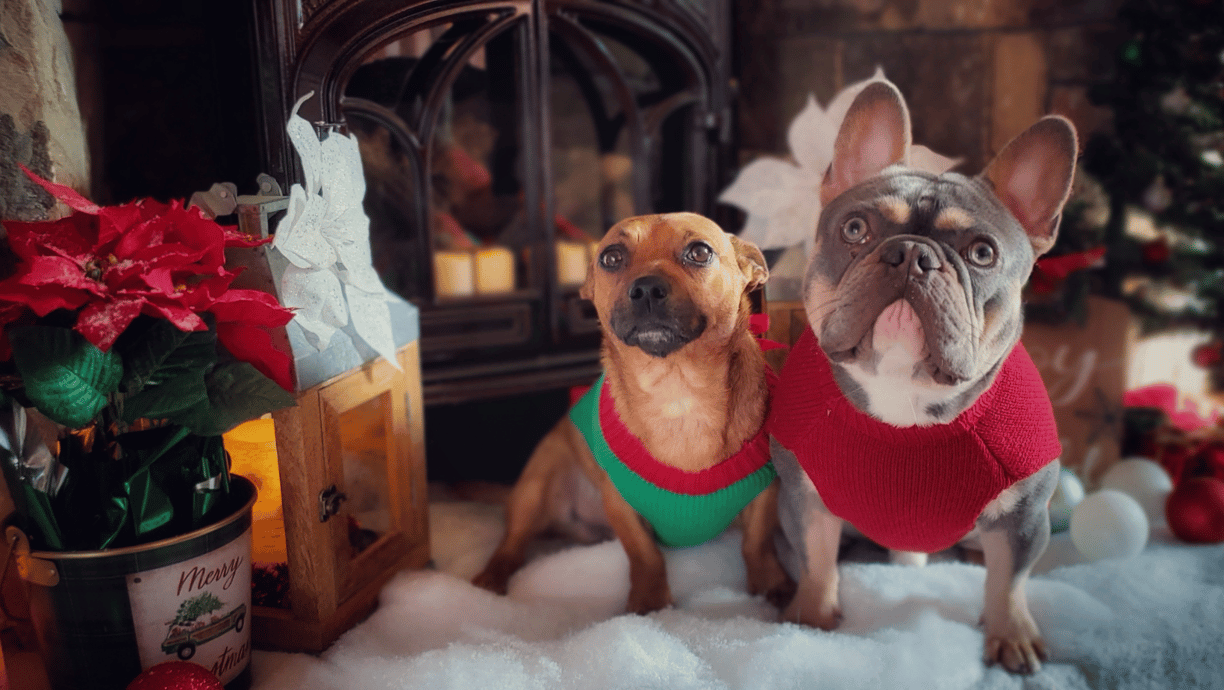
[(1163, 160)]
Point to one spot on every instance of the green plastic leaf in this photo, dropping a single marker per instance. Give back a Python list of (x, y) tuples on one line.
[(236, 392), (65, 376), (167, 399), (159, 353)]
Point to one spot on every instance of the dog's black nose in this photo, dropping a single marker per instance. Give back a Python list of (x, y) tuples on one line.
[(649, 292), (919, 256)]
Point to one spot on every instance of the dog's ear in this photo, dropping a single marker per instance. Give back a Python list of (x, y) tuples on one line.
[(874, 135), (1032, 177), (587, 291), (751, 262)]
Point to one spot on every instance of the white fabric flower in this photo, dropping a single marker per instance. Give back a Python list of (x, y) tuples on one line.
[(782, 198), (325, 236)]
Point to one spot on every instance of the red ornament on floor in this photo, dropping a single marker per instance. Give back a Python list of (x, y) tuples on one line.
[(176, 675), (1195, 510)]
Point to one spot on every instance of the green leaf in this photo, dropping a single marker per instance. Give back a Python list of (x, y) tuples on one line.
[(236, 392), (162, 353), (167, 399), (66, 377)]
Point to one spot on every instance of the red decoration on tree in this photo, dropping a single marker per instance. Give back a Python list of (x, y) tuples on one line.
[(1050, 271), (1195, 510), (1156, 252), (1208, 355), (176, 675)]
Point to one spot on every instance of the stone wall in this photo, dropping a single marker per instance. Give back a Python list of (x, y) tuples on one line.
[(40, 124), (974, 72)]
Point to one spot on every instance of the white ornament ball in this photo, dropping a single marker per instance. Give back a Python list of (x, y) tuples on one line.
[(1067, 494), (1109, 524), (1143, 480)]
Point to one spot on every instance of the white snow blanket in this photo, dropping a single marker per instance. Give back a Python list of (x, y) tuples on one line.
[(1155, 621)]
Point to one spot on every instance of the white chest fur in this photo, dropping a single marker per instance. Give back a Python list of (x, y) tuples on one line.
[(896, 385)]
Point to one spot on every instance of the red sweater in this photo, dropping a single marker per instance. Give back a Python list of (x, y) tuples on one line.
[(912, 488)]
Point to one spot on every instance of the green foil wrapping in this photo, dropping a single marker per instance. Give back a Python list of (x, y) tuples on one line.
[(158, 483)]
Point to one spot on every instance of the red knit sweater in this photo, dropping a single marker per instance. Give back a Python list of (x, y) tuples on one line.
[(912, 488)]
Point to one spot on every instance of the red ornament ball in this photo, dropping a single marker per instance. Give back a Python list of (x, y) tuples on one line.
[(176, 675), (1157, 251), (1195, 510), (1208, 354)]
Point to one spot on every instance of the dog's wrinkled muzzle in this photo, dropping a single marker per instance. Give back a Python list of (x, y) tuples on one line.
[(653, 318), (928, 278)]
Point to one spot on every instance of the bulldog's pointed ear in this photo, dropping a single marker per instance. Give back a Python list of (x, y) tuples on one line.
[(751, 262), (1032, 177), (874, 135)]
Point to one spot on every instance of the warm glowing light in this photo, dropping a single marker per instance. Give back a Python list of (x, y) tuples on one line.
[(571, 262), (494, 270), (252, 449), (453, 274)]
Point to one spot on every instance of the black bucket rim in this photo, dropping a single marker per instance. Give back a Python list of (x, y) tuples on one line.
[(238, 514)]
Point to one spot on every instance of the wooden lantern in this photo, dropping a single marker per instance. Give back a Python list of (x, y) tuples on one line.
[(350, 459)]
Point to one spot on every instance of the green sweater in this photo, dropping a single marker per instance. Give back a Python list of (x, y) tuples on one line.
[(684, 508)]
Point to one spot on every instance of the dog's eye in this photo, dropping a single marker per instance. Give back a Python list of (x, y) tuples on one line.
[(854, 230), (981, 253), (699, 253), (612, 258)]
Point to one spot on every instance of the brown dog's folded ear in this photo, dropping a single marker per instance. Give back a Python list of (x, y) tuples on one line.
[(587, 291), (751, 262), (1032, 177), (874, 135)]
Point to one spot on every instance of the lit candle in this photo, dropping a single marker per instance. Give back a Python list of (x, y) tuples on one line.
[(453, 274), (571, 263), (252, 449), (494, 270)]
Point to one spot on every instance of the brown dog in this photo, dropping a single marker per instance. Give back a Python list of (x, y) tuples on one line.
[(685, 381)]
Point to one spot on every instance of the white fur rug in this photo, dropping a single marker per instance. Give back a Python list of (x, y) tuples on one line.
[(1155, 621)]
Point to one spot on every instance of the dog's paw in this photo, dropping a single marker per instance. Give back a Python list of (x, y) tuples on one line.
[(1014, 643), (496, 575), (643, 600), (1023, 655), (823, 617), (770, 579), (780, 594), (815, 604)]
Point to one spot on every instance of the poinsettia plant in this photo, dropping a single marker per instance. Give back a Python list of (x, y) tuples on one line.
[(120, 325)]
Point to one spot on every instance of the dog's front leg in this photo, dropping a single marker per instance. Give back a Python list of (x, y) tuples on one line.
[(765, 573), (813, 536), (1012, 541), (527, 509), (648, 588)]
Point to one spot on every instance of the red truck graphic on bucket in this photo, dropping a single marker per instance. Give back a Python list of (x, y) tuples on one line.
[(182, 639)]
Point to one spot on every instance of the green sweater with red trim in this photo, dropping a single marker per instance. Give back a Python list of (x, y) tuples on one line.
[(684, 508)]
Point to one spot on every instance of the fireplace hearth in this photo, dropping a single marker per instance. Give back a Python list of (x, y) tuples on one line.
[(499, 141)]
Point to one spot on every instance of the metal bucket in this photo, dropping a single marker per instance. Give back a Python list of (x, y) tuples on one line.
[(103, 616)]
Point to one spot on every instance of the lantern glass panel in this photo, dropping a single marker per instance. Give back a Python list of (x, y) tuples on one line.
[(364, 441)]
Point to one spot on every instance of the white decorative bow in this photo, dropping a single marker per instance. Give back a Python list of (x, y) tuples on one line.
[(325, 236)]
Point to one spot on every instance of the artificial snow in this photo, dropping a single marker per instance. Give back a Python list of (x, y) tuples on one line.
[(1153, 621)]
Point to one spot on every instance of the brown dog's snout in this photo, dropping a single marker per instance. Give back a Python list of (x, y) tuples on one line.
[(648, 294), (920, 257)]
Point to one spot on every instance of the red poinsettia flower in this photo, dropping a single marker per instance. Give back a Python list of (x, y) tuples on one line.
[(111, 264)]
